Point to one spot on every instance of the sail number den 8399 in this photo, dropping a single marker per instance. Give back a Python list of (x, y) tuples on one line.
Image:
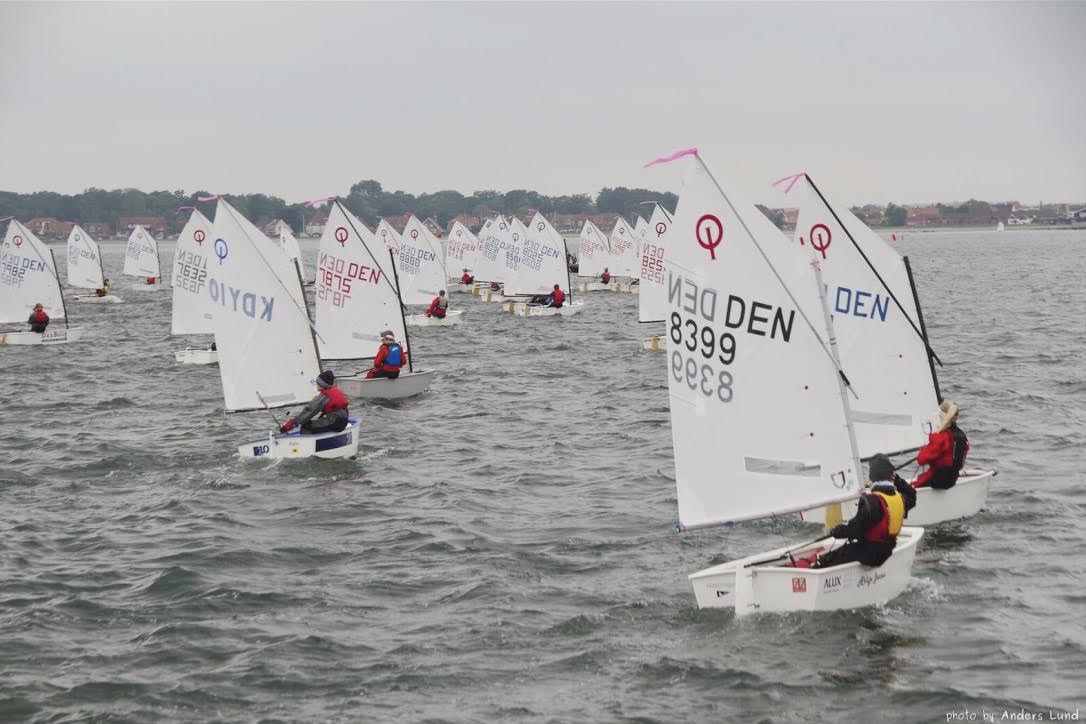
[(706, 348)]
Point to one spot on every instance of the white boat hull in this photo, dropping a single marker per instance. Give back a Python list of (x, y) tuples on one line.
[(625, 287), (566, 310), (777, 587), (296, 444), (197, 356), (95, 299), (421, 320), (408, 384), (49, 336), (964, 500), (459, 288), (148, 287), (596, 287), (655, 344), (489, 296)]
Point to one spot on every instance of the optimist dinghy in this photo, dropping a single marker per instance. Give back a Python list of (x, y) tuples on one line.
[(543, 263), (85, 268), (193, 309), (652, 306), (421, 320), (736, 457), (884, 347), (461, 250), (356, 299), (141, 260), (267, 352), (28, 276)]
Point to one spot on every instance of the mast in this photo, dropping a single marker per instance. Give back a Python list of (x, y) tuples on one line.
[(569, 282), (923, 329), (842, 380), (312, 327), (59, 290), (406, 336)]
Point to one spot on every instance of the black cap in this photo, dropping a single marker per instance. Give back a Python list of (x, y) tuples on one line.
[(325, 379), (880, 468)]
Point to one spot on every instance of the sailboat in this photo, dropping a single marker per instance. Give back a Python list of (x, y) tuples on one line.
[(499, 258), (421, 273), (652, 303), (884, 347), (542, 265), (624, 257), (760, 414), (267, 353), (387, 235), (999, 226), (356, 299), (460, 256), (192, 311), (141, 259), (85, 268), (28, 276), (593, 256)]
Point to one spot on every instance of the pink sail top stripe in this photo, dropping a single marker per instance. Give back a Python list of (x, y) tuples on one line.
[(672, 157), (790, 179), (208, 198), (179, 209), (318, 202), (6, 218)]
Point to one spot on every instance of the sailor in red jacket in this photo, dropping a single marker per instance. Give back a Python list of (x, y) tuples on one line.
[(467, 278), (389, 359), (558, 297), (330, 402), (606, 276), (945, 452), (38, 319), (439, 307)]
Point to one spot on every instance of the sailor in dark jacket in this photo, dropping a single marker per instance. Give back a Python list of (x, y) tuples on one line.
[(38, 319), (872, 532), (330, 403)]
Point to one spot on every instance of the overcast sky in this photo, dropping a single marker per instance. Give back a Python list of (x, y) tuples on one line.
[(879, 102)]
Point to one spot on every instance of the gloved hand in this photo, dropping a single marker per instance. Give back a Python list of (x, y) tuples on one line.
[(287, 426), (839, 531)]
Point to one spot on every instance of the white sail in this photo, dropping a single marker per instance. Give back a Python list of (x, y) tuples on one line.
[(880, 343), (624, 259), (263, 336), (84, 260), (594, 252), (420, 264), (652, 303), (542, 260), (192, 306), (290, 246), (461, 250), (387, 235), (493, 240), (757, 420), (515, 238), (356, 298), (28, 276), (141, 256)]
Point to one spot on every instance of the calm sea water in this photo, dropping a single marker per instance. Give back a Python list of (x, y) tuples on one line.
[(502, 549)]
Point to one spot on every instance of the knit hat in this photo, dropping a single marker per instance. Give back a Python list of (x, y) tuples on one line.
[(326, 379), (880, 468)]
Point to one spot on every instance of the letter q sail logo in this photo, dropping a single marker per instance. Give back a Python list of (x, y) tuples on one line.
[(221, 250), (710, 233)]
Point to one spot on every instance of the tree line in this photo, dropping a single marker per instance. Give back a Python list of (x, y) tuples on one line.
[(367, 199)]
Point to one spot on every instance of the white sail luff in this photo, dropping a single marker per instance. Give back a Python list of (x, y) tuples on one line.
[(192, 309), (263, 335), (84, 260), (28, 276), (757, 422)]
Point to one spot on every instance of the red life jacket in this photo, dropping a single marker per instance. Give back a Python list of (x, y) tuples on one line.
[(336, 400), (467, 278), (559, 298), (40, 317), (605, 277)]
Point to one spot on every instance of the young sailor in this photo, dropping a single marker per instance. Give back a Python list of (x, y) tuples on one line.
[(104, 290), (390, 358), (467, 278), (330, 403), (558, 297), (872, 532), (439, 307), (945, 452), (38, 319), (151, 280), (606, 276)]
